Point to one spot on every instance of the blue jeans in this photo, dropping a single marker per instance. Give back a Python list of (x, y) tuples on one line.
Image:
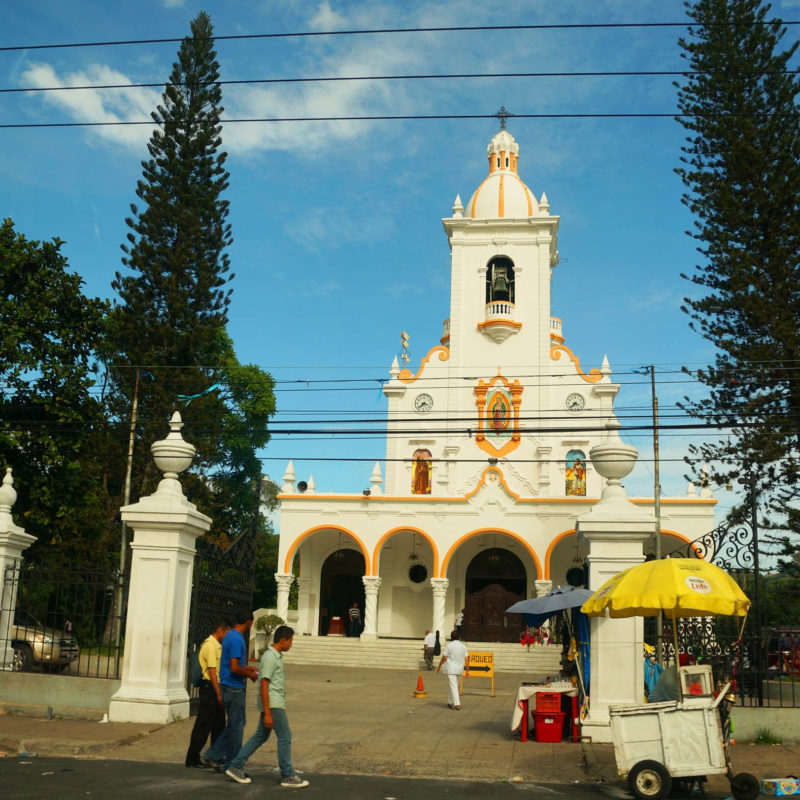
[(284, 734), (230, 740)]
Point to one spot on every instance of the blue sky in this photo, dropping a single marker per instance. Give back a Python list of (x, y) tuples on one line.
[(338, 240)]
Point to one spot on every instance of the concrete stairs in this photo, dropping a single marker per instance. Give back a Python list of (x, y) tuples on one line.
[(537, 662)]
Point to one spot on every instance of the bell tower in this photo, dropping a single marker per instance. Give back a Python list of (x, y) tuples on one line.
[(503, 247)]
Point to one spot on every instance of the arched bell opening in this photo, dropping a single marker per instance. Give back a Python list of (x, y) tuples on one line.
[(500, 283), (340, 585)]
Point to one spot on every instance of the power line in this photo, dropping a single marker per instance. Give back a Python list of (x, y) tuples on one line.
[(401, 118), (381, 31), (343, 79)]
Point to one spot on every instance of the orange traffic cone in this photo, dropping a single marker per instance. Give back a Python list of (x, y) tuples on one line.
[(420, 690)]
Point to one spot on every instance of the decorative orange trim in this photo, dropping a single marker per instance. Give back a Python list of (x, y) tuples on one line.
[(531, 552), (492, 322), (444, 355), (336, 528), (530, 199), (501, 198), (551, 547), (428, 539), (477, 192), (594, 374), (503, 483), (556, 338)]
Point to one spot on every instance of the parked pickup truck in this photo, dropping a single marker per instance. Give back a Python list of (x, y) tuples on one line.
[(35, 643)]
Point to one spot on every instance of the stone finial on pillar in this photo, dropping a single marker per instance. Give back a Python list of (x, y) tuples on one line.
[(372, 583), (13, 541), (165, 528), (615, 531), (543, 587), (284, 581), (458, 207), (439, 588)]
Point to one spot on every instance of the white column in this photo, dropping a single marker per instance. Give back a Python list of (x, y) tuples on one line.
[(543, 587), (371, 585), (165, 528), (439, 587), (284, 581), (304, 605), (615, 530), (13, 540)]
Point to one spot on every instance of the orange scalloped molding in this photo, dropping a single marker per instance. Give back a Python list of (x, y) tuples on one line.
[(481, 390), (491, 322), (444, 355), (594, 374)]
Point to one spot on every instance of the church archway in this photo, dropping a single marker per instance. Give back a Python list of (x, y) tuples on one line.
[(495, 579), (340, 586)]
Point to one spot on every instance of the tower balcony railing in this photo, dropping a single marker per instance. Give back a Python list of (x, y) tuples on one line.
[(499, 309), (556, 327)]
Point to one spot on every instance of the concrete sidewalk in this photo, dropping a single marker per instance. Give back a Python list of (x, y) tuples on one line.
[(356, 721)]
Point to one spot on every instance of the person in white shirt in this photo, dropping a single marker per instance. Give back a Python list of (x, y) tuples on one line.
[(456, 661), (428, 647)]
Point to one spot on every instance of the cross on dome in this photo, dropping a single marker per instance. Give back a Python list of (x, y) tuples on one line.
[(503, 115)]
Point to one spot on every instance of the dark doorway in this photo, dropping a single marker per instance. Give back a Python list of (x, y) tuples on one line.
[(340, 585), (495, 580)]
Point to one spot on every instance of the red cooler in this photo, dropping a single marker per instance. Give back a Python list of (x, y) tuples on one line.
[(548, 726)]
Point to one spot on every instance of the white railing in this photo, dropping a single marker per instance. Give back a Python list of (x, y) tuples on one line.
[(556, 326), (446, 329), (499, 309)]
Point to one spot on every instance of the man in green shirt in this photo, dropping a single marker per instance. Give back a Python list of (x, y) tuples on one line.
[(272, 708)]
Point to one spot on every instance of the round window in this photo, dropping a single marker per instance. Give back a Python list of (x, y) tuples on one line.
[(418, 573)]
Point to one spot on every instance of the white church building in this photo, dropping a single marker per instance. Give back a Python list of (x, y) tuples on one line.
[(487, 447)]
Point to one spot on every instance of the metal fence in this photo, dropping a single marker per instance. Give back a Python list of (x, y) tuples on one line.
[(68, 618), (765, 662)]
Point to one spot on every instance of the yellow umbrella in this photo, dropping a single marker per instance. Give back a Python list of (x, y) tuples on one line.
[(680, 587)]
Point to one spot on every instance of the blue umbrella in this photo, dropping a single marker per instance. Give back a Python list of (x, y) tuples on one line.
[(539, 609)]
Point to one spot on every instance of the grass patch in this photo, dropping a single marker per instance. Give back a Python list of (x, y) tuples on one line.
[(766, 736)]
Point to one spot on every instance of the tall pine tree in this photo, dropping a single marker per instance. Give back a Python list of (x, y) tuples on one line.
[(169, 325), (741, 169)]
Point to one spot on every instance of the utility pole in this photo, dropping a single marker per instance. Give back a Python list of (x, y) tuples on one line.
[(657, 509), (123, 545)]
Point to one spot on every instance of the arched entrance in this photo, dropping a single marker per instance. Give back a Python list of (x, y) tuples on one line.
[(495, 579), (340, 585)]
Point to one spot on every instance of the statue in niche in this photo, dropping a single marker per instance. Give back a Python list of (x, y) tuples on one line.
[(421, 482), (575, 474)]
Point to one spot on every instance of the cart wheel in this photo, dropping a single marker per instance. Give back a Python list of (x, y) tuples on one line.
[(649, 780), (745, 786)]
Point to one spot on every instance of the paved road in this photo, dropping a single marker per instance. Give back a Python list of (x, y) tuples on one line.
[(65, 779)]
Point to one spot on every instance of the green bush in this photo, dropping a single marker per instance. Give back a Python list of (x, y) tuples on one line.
[(268, 623), (766, 736)]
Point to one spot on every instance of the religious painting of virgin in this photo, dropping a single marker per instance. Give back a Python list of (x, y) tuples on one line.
[(421, 482), (576, 474), (498, 412)]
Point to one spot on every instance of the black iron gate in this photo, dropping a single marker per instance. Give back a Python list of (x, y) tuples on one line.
[(765, 663), (222, 584)]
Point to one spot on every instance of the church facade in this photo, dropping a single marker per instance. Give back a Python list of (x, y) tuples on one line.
[(487, 452)]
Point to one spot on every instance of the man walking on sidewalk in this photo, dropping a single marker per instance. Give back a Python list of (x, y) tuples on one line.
[(429, 648), (456, 660), (210, 711), (233, 675), (272, 705)]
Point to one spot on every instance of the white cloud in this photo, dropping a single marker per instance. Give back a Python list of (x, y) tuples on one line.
[(97, 105), (173, 3), (326, 19)]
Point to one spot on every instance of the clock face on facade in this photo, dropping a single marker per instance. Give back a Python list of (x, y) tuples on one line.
[(574, 402), (423, 403)]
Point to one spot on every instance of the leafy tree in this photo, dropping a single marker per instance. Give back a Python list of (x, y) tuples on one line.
[(50, 423), (741, 169), (170, 321)]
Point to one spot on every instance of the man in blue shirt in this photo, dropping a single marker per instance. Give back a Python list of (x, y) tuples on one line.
[(233, 674)]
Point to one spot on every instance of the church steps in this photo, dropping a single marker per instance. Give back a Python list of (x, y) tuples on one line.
[(537, 662)]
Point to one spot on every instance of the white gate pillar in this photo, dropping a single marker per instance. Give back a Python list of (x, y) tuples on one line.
[(284, 581), (13, 540), (371, 585), (165, 528), (304, 606), (543, 587), (615, 530), (439, 587)]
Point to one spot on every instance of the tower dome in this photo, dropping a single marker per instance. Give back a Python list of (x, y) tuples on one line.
[(502, 195)]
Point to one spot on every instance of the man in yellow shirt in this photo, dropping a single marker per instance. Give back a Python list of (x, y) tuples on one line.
[(210, 712)]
